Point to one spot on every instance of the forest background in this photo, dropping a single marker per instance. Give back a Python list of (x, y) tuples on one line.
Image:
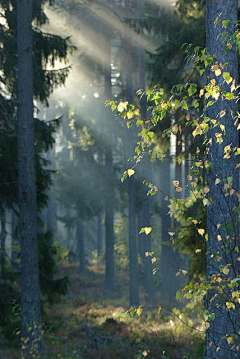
[(105, 245)]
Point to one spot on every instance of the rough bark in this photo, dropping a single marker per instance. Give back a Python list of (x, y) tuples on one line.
[(221, 209), (3, 240), (51, 208), (30, 297)]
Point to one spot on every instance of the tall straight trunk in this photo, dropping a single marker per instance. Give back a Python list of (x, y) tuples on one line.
[(3, 240), (145, 244), (109, 219), (99, 235), (14, 235), (109, 279), (221, 210), (81, 246), (51, 208), (169, 261), (30, 290), (133, 263), (145, 215)]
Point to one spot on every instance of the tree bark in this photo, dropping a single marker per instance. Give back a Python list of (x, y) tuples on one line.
[(133, 264), (109, 219), (81, 246), (30, 297), (221, 210), (3, 240), (145, 173), (99, 235), (169, 259)]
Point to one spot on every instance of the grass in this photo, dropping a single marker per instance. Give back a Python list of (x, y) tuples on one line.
[(86, 324)]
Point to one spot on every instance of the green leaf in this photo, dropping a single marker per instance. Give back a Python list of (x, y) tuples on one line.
[(210, 103), (195, 103), (159, 309), (192, 89), (178, 295), (184, 105), (225, 23), (124, 176), (227, 77), (113, 107)]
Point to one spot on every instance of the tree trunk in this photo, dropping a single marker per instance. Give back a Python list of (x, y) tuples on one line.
[(221, 210), (109, 219), (3, 240), (81, 246), (14, 221), (133, 264), (169, 261), (109, 280), (30, 297), (51, 207), (99, 235), (145, 170)]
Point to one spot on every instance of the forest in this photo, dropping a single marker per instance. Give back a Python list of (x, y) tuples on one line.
[(119, 187)]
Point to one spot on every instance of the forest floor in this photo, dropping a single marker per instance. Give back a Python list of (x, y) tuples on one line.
[(85, 324)]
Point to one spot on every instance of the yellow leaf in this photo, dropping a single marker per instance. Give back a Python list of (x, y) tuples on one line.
[(222, 113), (218, 72), (122, 106), (139, 311), (225, 270), (201, 93), (229, 339), (231, 191), (198, 251), (178, 189), (148, 230), (154, 259), (201, 231), (229, 306), (176, 183), (217, 181), (175, 129), (206, 202), (235, 294), (233, 86), (130, 172), (219, 238), (206, 189)]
